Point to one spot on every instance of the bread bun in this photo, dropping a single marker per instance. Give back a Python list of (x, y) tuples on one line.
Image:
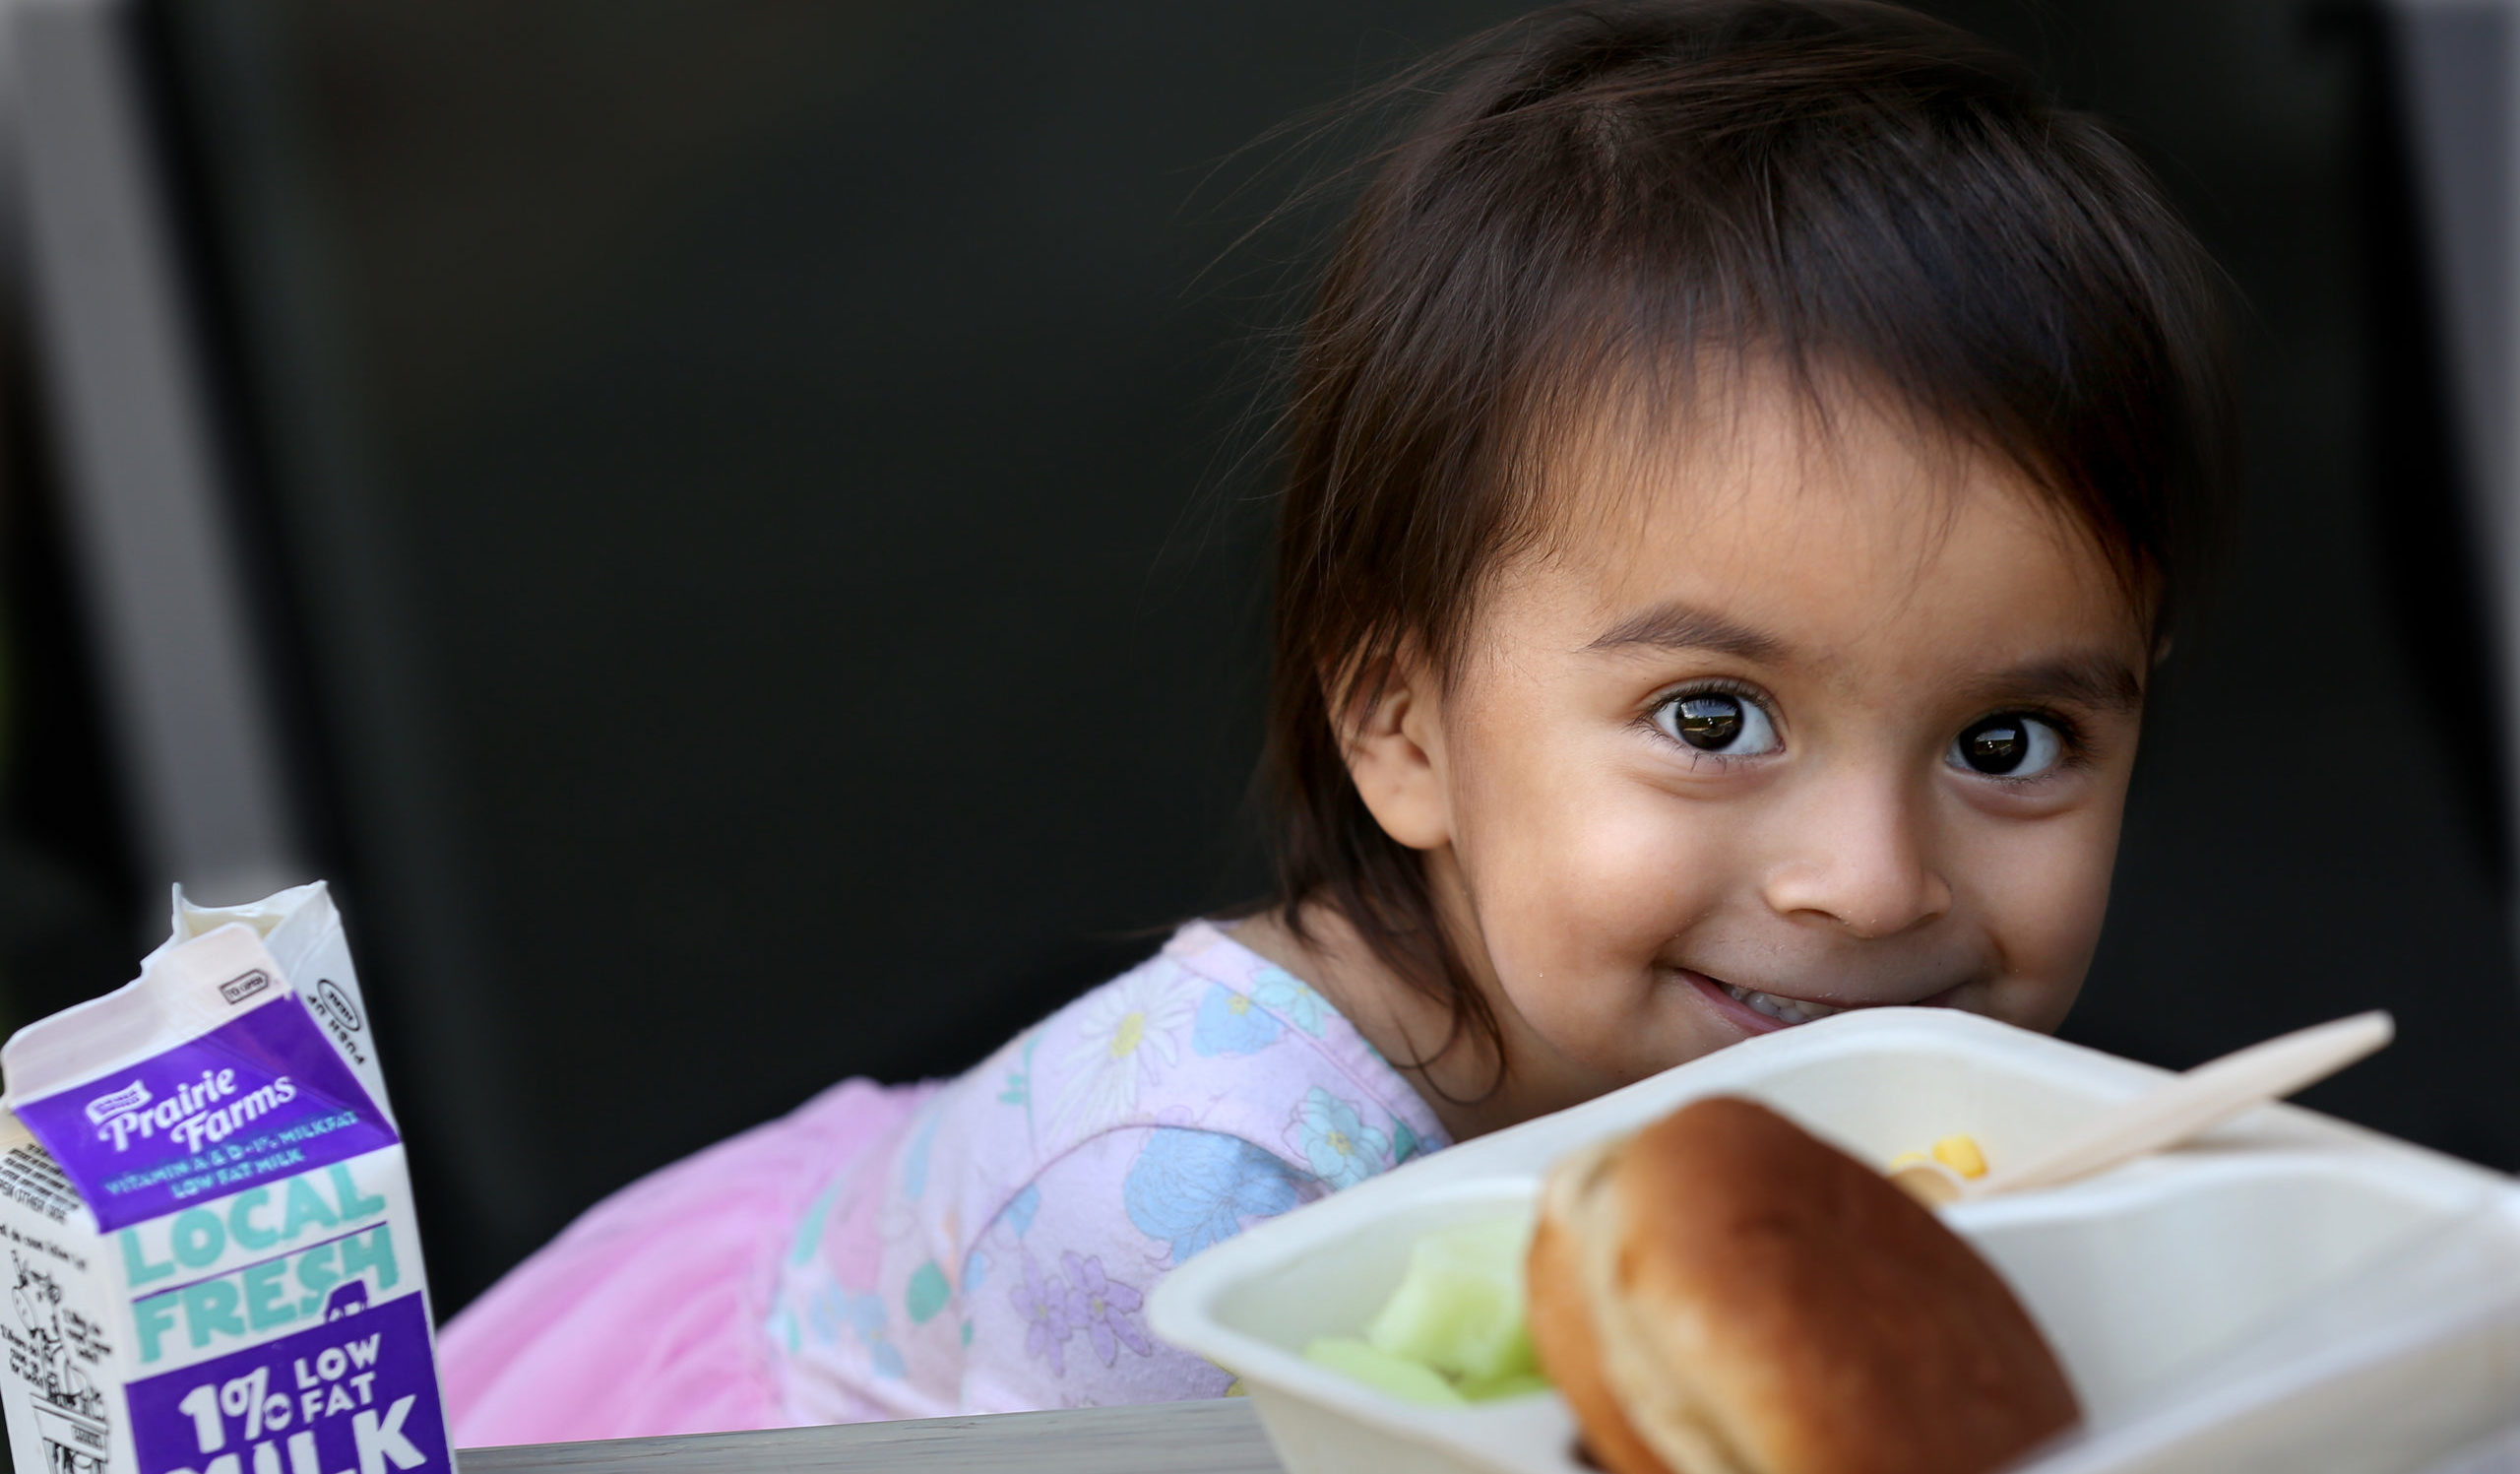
[(1561, 1318), (1725, 1294)]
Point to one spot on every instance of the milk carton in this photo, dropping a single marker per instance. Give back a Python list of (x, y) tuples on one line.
[(207, 1221)]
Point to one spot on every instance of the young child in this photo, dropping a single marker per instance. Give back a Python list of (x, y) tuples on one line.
[(1743, 460)]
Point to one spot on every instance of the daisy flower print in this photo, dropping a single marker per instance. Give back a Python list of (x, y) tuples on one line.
[(1126, 1035)]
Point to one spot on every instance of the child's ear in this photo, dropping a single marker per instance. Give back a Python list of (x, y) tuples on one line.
[(1393, 739)]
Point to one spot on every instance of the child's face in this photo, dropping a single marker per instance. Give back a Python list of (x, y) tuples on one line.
[(1825, 718)]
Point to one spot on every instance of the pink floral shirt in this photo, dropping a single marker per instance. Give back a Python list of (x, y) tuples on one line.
[(995, 1252)]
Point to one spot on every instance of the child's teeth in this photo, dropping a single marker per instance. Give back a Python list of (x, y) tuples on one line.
[(1788, 1010)]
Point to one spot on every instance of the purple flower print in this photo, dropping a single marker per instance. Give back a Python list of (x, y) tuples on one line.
[(1044, 1307), (1101, 1306)]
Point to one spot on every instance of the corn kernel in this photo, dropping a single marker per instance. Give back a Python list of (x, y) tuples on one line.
[(1961, 1155), (1906, 1159)]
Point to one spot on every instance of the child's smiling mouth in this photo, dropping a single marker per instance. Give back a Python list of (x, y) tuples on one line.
[(1764, 1012)]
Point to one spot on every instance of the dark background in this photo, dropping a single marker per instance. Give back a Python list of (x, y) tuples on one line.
[(763, 508)]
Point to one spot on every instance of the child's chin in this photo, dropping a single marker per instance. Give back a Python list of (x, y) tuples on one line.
[(2039, 1007)]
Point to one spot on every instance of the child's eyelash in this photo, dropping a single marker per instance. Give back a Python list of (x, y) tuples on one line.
[(1712, 686), (2068, 731)]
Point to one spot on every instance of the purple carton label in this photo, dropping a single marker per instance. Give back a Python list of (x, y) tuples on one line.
[(260, 1098), (356, 1394)]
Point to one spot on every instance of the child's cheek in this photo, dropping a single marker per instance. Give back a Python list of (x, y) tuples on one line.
[(1584, 906), (2043, 892)]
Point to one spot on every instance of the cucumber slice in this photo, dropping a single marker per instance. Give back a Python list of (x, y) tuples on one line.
[(1497, 1389), (1380, 1370), (1459, 1309)]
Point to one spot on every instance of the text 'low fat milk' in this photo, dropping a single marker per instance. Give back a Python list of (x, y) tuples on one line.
[(206, 1219)]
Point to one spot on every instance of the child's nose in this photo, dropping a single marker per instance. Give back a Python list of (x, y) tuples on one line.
[(1860, 857)]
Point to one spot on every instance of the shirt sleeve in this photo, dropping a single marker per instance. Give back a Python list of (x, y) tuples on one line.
[(1054, 1289)]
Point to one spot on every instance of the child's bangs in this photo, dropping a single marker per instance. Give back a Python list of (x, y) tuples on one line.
[(1629, 406)]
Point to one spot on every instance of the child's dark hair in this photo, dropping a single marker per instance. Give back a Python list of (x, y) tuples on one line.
[(1840, 190)]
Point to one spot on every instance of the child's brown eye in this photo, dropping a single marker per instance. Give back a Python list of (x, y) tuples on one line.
[(1718, 721), (2008, 746)]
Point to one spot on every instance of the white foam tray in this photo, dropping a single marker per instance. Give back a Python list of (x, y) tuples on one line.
[(2290, 1293)]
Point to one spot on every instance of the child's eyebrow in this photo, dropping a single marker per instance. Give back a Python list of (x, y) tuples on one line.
[(2094, 679), (1680, 626)]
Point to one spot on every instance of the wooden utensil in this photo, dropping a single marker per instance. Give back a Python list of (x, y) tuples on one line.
[(2186, 1105)]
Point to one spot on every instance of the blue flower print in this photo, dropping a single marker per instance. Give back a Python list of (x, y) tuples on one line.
[(1230, 1023), (1287, 996), (1021, 1207), (1343, 1150), (886, 1359), (826, 1313), (834, 1308), (1194, 1189)]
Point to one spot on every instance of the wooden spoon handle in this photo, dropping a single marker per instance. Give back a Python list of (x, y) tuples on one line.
[(2198, 1101)]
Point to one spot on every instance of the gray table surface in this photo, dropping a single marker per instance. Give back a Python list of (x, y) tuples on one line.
[(1221, 1437), (1213, 1437)]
